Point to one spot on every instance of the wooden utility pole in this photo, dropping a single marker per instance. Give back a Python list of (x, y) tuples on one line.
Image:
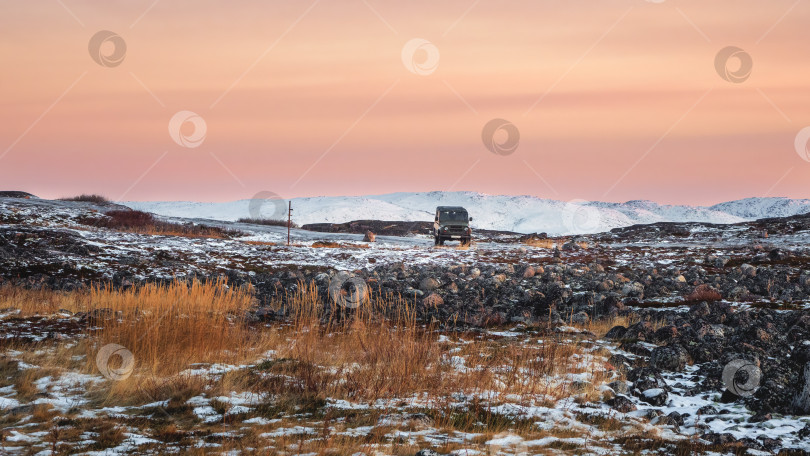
[(289, 222)]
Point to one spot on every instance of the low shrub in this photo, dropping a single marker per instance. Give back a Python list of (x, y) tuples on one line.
[(263, 221), (703, 293), (146, 223), (97, 199)]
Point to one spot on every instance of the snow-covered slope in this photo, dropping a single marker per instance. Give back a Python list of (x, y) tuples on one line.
[(525, 214), (756, 208)]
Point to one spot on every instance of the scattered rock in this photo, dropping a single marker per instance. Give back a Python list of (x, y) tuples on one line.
[(618, 386), (669, 358), (654, 396), (633, 290), (802, 402), (748, 270), (433, 300), (678, 418), (426, 452), (621, 404), (580, 318), (428, 284), (666, 420), (616, 333)]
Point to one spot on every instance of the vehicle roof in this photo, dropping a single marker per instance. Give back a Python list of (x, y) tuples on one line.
[(450, 208)]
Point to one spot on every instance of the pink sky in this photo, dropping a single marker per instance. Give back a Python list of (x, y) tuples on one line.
[(614, 100)]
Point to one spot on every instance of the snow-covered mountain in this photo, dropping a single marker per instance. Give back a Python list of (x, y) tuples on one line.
[(524, 214)]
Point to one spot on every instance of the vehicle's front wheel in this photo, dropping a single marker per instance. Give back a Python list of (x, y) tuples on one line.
[(435, 240)]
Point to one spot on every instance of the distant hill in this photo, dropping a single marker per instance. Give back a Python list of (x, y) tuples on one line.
[(523, 214)]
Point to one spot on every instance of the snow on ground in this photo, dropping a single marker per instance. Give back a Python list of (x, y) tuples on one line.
[(564, 423)]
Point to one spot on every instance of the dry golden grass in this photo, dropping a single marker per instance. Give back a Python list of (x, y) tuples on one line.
[(36, 302), (379, 351), (601, 326), (541, 243), (270, 244), (337, 245), (179, 231), (550, 243), (166, 327), (365, 357)]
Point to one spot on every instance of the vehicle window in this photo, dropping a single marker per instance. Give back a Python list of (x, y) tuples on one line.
[(453, 216)]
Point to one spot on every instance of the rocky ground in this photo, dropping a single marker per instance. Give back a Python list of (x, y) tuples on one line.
[(700, 298)]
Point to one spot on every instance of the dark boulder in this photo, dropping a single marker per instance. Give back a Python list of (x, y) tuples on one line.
[(621, 404), (669, 358), (616, 333)]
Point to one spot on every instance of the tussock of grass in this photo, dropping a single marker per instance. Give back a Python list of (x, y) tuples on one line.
[(36, 302), (167, 326)]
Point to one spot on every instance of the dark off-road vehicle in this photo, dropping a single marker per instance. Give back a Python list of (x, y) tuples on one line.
[(451, 223)]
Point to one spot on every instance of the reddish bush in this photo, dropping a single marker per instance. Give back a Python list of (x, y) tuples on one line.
[(130, 219), (146, 223), (703, 292)]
